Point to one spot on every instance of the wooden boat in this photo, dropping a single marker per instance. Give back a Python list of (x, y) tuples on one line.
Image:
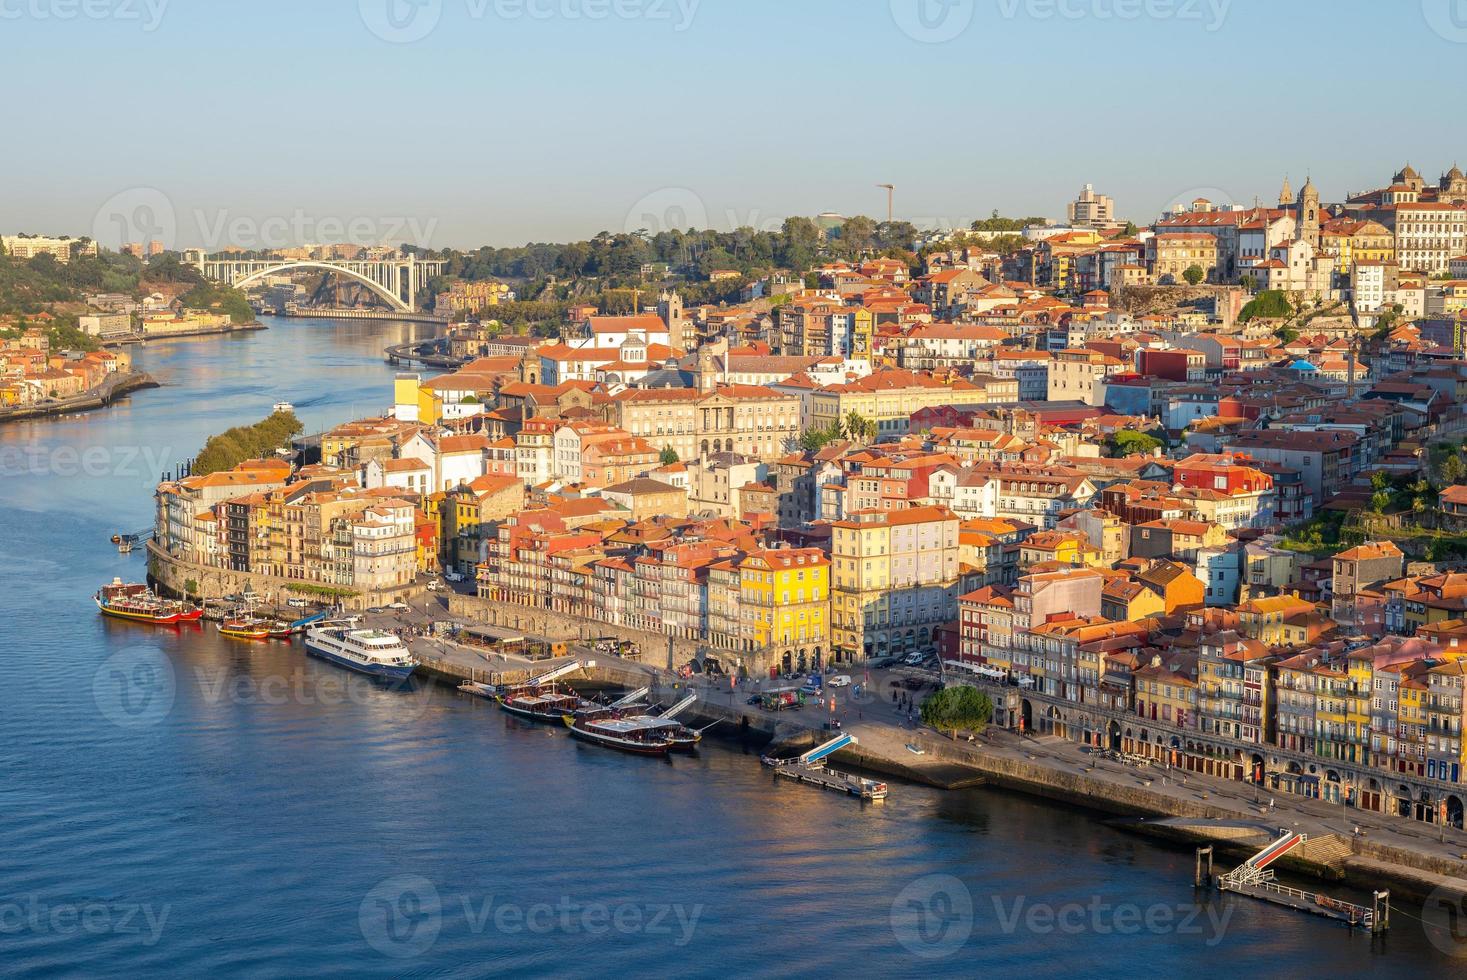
[(639, 735), (250, 628), (137, 603)]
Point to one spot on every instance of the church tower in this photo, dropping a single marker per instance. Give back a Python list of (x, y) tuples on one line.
[(1308, 214), (1286, 195)]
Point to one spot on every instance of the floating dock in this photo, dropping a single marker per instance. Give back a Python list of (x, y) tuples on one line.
[(810, 768), (1255, 879)]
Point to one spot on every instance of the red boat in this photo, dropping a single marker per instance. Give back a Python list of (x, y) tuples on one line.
[(136, 602)]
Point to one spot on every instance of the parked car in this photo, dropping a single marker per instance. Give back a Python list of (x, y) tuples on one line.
[(399, 605), (453, 576), (840, 680), (296, 603), (913, 659)]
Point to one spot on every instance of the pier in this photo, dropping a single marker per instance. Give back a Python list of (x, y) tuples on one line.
[(1256, 879)]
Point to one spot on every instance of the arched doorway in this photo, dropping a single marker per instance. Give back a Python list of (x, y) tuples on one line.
[(1403, 800), (1026, 716), (1255, 770), (1115, 736), (1454, 812)]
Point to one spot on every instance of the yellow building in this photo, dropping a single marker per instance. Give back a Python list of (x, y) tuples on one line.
[(1264, 618), (784, 594)]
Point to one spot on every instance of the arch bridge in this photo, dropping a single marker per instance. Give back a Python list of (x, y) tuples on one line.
[(396, 282)]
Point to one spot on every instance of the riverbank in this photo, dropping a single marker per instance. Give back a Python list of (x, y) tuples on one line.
[(101, 396), (231, 328), (1181, 808)]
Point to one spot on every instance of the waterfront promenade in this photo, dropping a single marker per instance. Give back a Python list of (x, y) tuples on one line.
[(1370, 849), (101, 396)]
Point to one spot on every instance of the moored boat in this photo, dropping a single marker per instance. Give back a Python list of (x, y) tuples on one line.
[(137, 603), (367, 651), (541, 704), (639, 735), (245, 628)]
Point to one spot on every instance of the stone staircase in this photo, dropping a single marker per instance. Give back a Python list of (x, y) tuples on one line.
[(1329, 850)]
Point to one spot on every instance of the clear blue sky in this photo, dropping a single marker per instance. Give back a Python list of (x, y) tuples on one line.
[(512, 120)]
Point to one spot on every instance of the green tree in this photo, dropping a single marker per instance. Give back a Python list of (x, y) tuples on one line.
[(856, 427), (190, 587), (1193, 274), (1129, 442), (953, 708), (1453, 470), (1271, 303), (1250, 283), (669, 456)]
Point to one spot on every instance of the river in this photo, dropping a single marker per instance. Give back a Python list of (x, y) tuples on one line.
[(178, 804)]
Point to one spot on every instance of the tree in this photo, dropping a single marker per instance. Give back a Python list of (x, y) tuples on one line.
[(1193, 274), (953, 708), (1129, 442), (1271, 303), (190, 587), (1250, 283), (1453, 470), (669, 456), (856, 427)]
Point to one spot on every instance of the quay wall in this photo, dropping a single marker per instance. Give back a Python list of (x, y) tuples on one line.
[(170, 574), (560, 626)]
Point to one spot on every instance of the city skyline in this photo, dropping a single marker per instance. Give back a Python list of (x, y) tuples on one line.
[(639, 122)]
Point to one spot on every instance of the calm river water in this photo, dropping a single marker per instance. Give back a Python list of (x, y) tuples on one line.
[(174, 803)]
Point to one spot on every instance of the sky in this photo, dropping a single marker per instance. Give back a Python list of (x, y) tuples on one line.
[(459, 123)]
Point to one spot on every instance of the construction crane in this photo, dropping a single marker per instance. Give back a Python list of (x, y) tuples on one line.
[(890, 190)]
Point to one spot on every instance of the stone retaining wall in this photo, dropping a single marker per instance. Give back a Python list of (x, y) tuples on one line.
[(169, 575)]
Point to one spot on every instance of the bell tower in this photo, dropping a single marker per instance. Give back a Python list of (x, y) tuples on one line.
[(1308, 216)]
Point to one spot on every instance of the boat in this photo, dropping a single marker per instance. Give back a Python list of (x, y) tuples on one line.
[(639, 735), (136, 602), (540, 703), (366, 651), (487, 691), (245, 628)]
